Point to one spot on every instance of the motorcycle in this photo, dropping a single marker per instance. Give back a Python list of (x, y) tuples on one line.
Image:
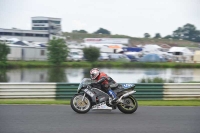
[(89, 97)]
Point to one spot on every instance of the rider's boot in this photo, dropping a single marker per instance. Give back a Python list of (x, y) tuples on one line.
[(112, 93)]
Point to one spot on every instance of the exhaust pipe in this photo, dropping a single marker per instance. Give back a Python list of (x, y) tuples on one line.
[(125, 95), (128, 93)]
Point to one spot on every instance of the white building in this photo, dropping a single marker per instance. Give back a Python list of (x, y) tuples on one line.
[(107, 40), (105, 47), (27, 53), (25, 35), (43, 30), (52, 25)]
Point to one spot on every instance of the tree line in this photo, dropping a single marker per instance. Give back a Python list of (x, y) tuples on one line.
[(187, 32), (99, 31)]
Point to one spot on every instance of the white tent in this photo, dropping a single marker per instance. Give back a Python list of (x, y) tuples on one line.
[(181, 50), (182, 54), (151, 48)]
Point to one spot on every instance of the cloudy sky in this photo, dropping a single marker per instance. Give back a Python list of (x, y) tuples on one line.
[(128, 17)]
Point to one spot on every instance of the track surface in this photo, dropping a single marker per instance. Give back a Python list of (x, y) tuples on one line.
[(62, 119)]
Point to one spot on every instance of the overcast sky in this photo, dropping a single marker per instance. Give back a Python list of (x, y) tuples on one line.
[(128, 17)]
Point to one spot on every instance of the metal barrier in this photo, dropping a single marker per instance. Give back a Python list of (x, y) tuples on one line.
[(175, 91), (146, 91)]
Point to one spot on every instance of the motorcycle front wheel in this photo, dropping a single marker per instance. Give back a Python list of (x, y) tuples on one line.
[(129, 105), (80, 105)]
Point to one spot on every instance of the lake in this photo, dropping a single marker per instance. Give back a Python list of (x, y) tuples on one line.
[(120, 75)]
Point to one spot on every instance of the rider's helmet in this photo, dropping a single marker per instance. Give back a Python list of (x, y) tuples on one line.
[(94, 73)]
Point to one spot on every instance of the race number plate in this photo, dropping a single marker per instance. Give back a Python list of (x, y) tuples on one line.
[(89, 92)]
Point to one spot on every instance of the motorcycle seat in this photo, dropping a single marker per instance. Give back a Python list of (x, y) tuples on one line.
[(114, 85)]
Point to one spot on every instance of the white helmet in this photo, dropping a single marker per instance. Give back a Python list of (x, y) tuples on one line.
[(94, 73)]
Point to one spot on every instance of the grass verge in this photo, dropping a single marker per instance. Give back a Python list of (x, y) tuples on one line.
[(67, 102)]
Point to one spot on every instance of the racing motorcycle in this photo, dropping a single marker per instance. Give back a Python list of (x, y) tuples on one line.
[(89, 97)]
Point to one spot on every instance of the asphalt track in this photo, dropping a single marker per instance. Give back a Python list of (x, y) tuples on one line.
[(62, 119)]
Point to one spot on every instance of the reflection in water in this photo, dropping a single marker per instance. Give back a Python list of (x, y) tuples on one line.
[(120, 75), (3, 75), (56, 75), (152, 72)]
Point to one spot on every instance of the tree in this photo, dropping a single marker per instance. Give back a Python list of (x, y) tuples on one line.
[(147, 35), (177, 34), (82, 31), (74, 31), (58, 51), (168, 36), (3, 75), (157, 35), (197, 36), (91, 53), (187, 32), (79, 31), (4, 51), (102, 31)]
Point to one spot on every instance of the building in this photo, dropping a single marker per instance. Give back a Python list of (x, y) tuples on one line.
[(196, 57), (27, 53), (52, 25), (124, 41), (43, 30), (25, 35)]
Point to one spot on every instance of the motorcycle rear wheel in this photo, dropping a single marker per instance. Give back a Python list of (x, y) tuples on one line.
[(80, 106), (130, 105)]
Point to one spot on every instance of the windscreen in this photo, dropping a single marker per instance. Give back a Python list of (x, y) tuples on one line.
[(84, 82)]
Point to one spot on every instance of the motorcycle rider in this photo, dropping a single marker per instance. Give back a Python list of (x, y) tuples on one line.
[(104, 81)]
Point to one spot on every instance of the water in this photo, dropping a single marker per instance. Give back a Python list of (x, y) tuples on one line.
[(75, 75)]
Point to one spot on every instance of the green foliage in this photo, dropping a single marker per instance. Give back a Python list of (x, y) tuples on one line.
[(4, 51), (147, 35), (102, 31), (168, 36), (187, 32), (157, 35), (155, 80), (58, 51), (79, 31), (82, 31), (3, 76), (91, 53)]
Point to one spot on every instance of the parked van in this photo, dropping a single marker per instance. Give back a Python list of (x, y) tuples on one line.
[(119, 57), (103, 56)]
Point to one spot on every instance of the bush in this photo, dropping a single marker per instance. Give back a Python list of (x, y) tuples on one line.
[(91, 53), (58, 51), (4, 51), (155, 80)]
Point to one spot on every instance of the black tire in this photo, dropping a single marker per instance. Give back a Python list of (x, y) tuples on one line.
[(128, 110), (75, 107)]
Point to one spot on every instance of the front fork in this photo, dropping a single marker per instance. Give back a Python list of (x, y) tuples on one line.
[(83, 97)]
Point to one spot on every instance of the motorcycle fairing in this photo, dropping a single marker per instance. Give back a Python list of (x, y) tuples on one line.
[(127, 86), (94, 93)]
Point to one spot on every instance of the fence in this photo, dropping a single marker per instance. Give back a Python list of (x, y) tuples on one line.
[(147, 91)]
